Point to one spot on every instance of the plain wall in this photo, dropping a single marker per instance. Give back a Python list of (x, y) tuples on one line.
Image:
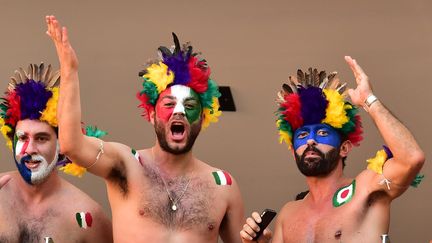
[(251, 46)]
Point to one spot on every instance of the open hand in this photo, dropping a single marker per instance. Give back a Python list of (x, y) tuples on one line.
[(363, 89), (59, 36)]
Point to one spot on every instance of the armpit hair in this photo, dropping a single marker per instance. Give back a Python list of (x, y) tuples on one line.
[(118, 176)]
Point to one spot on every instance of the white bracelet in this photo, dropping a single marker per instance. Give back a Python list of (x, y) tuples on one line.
[(101, 151), (369, 101)]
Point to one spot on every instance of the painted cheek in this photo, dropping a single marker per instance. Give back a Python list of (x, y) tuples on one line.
[(164, 114), (193, 114), (331, 139), (21, 147)]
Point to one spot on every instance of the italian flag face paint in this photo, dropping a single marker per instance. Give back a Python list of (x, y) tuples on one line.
[(222, 178), (181, 99), (344, 195), (84, 220)]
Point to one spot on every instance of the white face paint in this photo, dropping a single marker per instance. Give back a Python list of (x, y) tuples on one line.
[(20, 144), (180, 92), (44, 169)]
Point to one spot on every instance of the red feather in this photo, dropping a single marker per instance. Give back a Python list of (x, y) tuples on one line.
[(14, 111), (199, 75), (292, 110), (148, 108), (356, 136)]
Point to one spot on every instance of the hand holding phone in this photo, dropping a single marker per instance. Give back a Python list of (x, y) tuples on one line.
[(266, 217)]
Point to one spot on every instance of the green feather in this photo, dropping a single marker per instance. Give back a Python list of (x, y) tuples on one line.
[(94, 132), (207, 97), (417, 180)]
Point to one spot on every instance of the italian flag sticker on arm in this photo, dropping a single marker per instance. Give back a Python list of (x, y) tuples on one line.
[(222, 178), (84, 220), (344, 195)]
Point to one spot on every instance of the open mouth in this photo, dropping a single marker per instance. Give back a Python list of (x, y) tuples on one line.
[(177, 130), (32, 164)]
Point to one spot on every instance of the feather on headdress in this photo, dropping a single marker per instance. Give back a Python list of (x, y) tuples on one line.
[(311, 98), (31, 94), (179, 65)]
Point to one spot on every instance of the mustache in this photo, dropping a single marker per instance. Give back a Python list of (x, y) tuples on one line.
[(314, 149), (33, 157)]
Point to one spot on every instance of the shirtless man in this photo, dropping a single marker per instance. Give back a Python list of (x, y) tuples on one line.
[(164, 193), (323, 128), (36, 204)]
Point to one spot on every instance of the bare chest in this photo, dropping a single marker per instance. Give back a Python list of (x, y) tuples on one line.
[(181, 204), (327, 224)]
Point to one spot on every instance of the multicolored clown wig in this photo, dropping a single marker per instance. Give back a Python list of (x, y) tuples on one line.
[(180, 66), (314, 98), (31, 94)]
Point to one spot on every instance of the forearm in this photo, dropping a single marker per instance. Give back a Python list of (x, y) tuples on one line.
[(397, 137), (69, 113)]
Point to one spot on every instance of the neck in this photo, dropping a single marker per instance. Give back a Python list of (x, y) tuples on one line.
[(172, 165), (34, 194), (323, 188)]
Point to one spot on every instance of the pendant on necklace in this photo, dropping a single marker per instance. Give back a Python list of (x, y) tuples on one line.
[(174, 207)]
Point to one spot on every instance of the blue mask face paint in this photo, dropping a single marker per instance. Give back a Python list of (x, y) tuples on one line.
[(320, 133)]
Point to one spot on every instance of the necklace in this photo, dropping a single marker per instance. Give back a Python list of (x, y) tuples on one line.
[(173, 200)]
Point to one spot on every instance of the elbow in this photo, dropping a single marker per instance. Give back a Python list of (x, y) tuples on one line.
[(417, 160)]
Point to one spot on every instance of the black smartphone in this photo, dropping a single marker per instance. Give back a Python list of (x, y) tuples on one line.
[(266, 217)]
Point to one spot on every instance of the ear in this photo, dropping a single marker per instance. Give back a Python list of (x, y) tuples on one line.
[(345, 148), (152, 116)]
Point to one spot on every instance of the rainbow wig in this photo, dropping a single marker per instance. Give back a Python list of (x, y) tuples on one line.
[(314, 98), (30, 95), (182, 66)]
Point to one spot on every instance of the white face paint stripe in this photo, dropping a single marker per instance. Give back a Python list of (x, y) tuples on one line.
[(19, 144), (180, 92)]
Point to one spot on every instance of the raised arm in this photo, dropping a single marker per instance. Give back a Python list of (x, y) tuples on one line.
[(88, 152), (408, 158), (4, 179)]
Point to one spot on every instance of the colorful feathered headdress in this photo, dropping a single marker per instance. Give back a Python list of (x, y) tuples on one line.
[(31, 94), (314, 98), (179, 66)]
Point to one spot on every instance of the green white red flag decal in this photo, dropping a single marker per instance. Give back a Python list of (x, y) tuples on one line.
[(222, 178), (344, 195), (84, 220)]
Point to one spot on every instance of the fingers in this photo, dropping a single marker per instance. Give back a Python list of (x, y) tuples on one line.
[(251, 227), (4, 180)]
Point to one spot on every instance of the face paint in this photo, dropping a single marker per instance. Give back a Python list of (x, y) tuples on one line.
[(321, 165), (320, 133), (179, 99), (30, 149)]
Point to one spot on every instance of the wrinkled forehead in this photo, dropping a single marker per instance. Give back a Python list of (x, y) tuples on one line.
[(178, 93), (30, 127)]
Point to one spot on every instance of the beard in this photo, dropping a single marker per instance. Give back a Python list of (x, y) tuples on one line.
[(318, 166), (160, 130), (39, 175)]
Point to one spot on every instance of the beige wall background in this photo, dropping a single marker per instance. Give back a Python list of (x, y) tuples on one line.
[(252, 46)]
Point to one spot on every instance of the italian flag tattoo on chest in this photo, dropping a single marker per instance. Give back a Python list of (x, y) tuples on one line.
[(344, 194)]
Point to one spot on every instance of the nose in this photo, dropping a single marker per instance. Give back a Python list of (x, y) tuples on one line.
[(31, 147), (311, 141), (179, 109)]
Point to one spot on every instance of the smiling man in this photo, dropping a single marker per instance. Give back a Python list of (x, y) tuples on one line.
[(35, 202), (164, 193), (321, 127)]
